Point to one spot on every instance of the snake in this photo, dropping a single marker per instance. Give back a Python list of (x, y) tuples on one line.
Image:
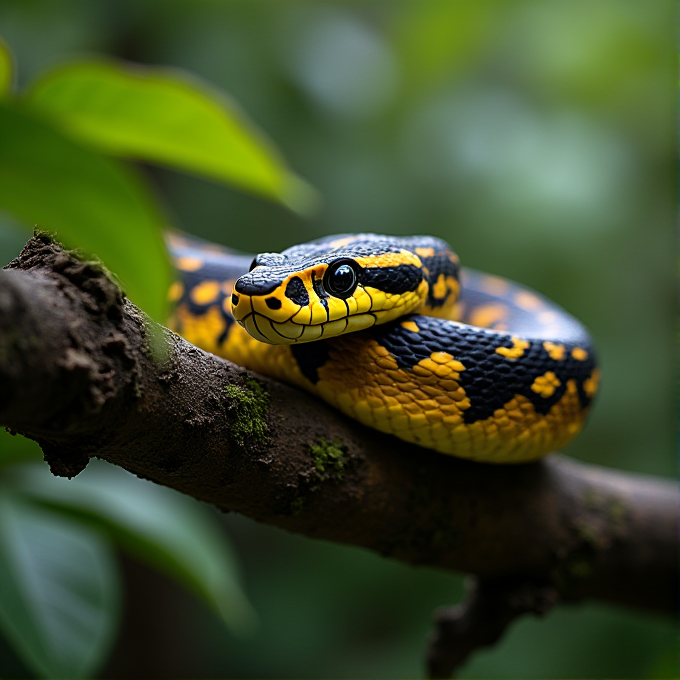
[(394, 333)]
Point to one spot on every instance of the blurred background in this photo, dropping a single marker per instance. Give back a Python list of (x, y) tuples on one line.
[(538, 138)]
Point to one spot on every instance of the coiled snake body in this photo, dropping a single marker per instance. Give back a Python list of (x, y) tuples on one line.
[(496, 373)]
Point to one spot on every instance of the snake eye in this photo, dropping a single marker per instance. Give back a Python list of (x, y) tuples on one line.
[(340, 279)]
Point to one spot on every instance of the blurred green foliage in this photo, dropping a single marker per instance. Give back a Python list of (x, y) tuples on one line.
[(538, 139), (60, 594)]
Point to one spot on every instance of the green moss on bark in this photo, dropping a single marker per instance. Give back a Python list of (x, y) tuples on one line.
[(249, 408)]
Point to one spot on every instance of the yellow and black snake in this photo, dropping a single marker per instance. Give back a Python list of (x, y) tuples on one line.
[(496, 373)]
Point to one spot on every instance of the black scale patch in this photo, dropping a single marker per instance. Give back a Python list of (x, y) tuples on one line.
[(296, 292), (395, 280), (310, 357)]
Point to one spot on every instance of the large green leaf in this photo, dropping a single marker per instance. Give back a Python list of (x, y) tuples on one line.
[(90, 201), (166, 116), (170, 531), (6, 69), (59, 590)]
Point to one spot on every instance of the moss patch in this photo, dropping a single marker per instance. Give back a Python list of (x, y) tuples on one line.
[(330, 458), (330, 462), (249, 408), (156, 341)]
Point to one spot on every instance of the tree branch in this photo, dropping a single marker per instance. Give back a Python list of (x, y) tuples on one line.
[(85, 373)]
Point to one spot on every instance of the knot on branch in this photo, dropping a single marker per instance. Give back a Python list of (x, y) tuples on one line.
[(100, 293), (64, 351), (487, 609)]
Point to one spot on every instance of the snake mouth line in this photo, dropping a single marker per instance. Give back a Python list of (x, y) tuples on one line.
[(288, 333)]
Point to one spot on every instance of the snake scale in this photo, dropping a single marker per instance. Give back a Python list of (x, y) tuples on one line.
[(393, 332)]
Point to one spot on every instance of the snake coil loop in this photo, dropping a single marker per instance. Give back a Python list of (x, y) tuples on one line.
[(392, 332)]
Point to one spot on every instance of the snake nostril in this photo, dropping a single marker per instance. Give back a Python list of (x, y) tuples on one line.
[(273, 303), (234, 299)]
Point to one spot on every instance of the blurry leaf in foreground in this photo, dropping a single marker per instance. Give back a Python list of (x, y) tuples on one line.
[(6, 69), (170, 531), (168, 117), (90, 201), (59, 590)]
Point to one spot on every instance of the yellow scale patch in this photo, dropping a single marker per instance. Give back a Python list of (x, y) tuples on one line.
[(591, 384), (444, 286), (364, 380), (175, 291), (425, 252), (440, 287), (488, 316), (495, 285), (205, 292), (579, 354), (554, 350), (517, 349), (527, 300), (546, 384), (410, 326), (188, 264)]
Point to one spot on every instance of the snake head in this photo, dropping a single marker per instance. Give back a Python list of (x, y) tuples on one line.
[(329, 287)]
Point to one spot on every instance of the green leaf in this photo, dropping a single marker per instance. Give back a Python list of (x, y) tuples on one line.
[(168, 117), (90, 201), (6, 69), (59, 590), (170, 531)]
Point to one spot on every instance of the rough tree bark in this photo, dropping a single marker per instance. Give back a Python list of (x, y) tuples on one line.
[(85, 373)]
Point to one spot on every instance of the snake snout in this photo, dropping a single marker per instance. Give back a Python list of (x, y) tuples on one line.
[(255, 283)]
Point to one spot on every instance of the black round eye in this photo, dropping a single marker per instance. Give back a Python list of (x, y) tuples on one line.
[(340, 279)]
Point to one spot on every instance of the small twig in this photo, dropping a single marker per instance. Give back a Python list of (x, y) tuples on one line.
[(487, 609)]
